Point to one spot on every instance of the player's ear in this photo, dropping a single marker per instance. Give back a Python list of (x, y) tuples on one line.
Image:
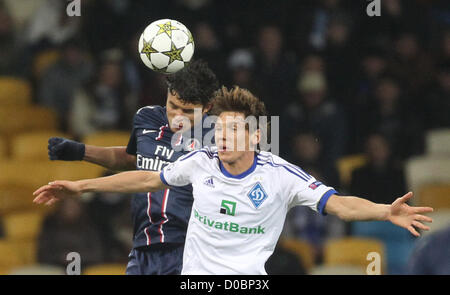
[(207, 108), (255, 138)]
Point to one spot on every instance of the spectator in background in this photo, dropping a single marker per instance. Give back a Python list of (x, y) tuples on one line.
[(339, 55), (108, 213), (147, 86), (302, 223), (106, 104), (241, 65), (67, 230), (307, 152), (275, 70), (443, 53), (209, 48), (412, 66), (391, 116), (436, 106), (284, 262), (373, 66), (9, 46), (50, 25), (381, 179), (432, 254), (315, 112), (56, 88), (313, 62)]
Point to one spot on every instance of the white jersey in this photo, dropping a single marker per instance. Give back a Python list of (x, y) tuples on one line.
[(236, 220)]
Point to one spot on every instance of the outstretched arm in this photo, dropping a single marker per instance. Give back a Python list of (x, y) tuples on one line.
[(399, 213), (125, 182), (114, 158)]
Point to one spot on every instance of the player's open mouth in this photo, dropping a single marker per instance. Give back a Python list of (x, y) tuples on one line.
[(179, 127)]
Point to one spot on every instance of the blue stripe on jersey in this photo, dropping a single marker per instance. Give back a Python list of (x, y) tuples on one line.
[(239, 176), (278, 165), (294, 167), (324, 199), (207, 152)]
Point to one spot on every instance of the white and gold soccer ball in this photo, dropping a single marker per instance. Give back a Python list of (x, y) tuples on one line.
[(166, 46)]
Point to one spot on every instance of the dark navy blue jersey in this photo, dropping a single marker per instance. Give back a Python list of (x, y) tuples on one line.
[(160, 217)]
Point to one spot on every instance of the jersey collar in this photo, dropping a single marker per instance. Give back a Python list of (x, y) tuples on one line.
[(239, 176)]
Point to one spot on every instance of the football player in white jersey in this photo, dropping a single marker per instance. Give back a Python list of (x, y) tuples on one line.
[(241, 196)]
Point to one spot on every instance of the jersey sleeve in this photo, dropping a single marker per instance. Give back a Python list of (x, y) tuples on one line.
[(305, 190), (182, 171), (132, 143), (149, 117)]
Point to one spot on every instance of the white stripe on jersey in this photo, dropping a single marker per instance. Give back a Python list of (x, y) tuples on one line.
[(149, 202)]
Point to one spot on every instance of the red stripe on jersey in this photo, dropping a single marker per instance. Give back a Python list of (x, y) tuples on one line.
[(161, 132), (163, 215)]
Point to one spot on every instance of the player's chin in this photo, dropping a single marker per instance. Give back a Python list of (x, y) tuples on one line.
[(225, 156)]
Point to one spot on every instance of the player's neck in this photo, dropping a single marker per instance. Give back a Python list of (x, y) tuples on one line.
[(243, 164)]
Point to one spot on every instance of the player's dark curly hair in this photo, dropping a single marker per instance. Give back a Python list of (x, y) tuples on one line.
[(195, 83)]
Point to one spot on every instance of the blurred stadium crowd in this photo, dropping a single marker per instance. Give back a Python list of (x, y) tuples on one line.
[(364, 106)]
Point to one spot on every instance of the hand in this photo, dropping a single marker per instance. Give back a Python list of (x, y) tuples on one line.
[(65, 149), (55, 191), (409, 217)]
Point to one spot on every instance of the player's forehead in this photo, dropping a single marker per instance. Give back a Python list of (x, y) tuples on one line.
[(174, 98), (230, 118)]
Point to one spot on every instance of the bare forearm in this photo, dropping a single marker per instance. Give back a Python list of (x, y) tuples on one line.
[(113, 158), (351, 208), (125, 182)]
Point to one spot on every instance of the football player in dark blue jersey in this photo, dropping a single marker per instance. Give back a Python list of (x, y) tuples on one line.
[(160, 218)]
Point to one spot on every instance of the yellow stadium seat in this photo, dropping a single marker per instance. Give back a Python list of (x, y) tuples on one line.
[(3, 148), (338, 270), (37, 269), (436, 196), (5, 270), (108, 138), (426, 170), (77, 171), (438, 142), (10, 255), (32, 145), (302, 248), (16, 119), (43, 61), (14, 91), (347, 164), (37, 173), (105, 269), (28, 173), (23, 226), (352, 251), (15, 197)]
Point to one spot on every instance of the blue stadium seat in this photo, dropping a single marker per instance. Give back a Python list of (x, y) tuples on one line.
[(398, 242)]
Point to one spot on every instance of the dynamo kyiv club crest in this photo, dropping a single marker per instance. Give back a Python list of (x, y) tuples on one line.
[(257, 195)]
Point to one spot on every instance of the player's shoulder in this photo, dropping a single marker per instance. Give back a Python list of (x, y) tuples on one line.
[(281, 166), (264, 157), (205, 153), (153, 115)]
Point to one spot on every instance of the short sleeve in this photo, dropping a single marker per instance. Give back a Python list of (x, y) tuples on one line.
[(132, 143), (181, 172), (305, 190)]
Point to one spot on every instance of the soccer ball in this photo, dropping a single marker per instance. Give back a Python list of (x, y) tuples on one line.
[(166, 46)]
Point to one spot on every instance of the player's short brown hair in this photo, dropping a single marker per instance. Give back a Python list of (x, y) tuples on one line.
[(237, 100)]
